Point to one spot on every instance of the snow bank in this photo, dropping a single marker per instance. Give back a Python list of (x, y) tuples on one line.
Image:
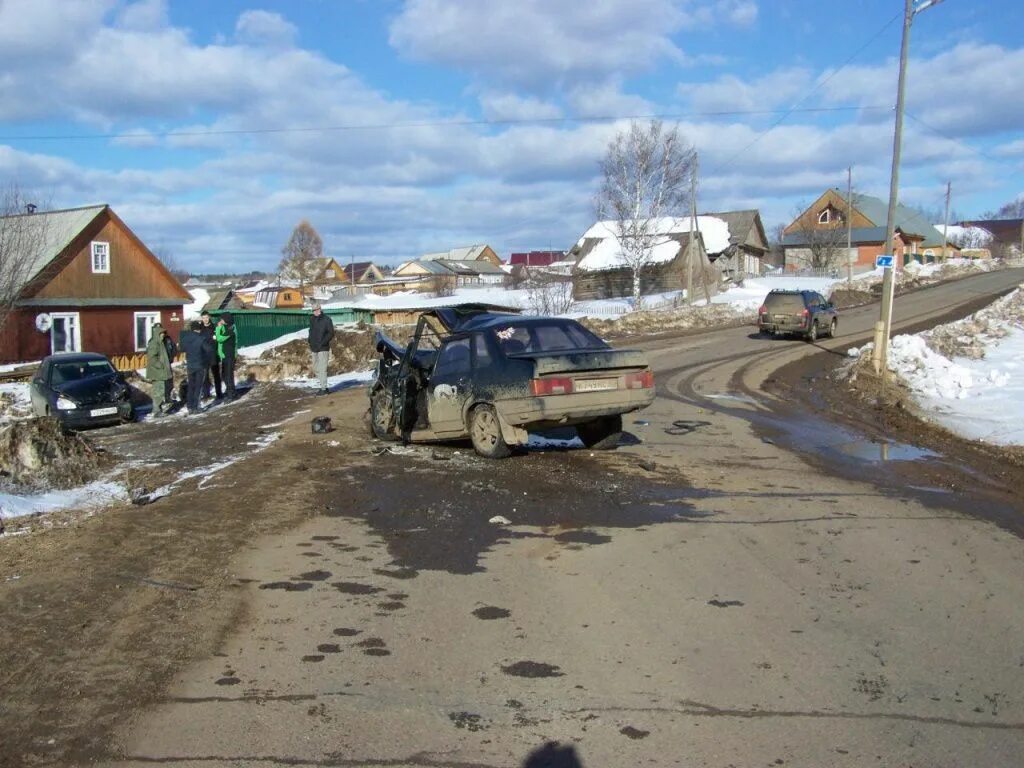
[(200, 298), (979, 397), (91, 496)]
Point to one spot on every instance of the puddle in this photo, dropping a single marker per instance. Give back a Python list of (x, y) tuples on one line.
[(868, 450), (733, 397), (532, 669)]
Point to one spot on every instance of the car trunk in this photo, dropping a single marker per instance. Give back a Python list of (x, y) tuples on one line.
[(785, 309), (610, 361)]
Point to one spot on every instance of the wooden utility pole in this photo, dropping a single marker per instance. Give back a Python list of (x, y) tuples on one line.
[(352, 272), (945, 221), (849, 223), (694, 233)]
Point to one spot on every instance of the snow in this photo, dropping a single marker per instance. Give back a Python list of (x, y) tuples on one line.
[(334, 383), (406, 300), (94, 495), (752, 293), (256, 350), (980, 399), (8, 367), (200, 298), (608, 255), (966, 237), (20, 403)]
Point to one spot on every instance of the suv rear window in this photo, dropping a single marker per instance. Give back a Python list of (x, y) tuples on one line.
[(784, 302)]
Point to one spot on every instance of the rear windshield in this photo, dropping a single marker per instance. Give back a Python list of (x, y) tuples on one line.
[(556, 336), (784, 302), (87, 369)]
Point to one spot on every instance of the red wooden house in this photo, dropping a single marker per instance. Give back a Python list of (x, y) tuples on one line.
[(82, 281)]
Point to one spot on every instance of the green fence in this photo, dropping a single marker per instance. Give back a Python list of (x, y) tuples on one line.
[(257, 326)]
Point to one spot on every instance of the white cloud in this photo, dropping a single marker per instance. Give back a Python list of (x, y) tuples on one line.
[(781, 88), (541, 42), (506, 105), (144, 15), (265, 28)]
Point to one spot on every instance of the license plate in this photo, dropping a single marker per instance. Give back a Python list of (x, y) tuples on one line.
[(595, 385), (103, 411), (781, 318)]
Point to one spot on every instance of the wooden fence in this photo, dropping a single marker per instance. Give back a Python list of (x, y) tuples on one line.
[(135, 362)]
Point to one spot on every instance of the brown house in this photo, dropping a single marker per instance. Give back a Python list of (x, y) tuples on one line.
[(468, 253), (85, 283), (279, 297), (819, 234)]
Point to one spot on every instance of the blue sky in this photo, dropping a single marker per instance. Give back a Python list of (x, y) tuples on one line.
[(399, 127)]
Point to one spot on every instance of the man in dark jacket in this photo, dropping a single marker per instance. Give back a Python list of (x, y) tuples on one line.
[(321, 331), (224, 333), (172, 352), (208, 330), (198, 351)]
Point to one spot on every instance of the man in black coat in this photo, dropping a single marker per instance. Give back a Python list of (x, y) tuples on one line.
[(172, 352), (207, 330), (199, 352), (321, 331)]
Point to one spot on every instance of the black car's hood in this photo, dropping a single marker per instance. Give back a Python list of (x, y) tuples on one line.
[(97, 389)]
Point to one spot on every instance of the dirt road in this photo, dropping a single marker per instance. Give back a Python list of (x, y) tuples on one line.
[(726, 589)]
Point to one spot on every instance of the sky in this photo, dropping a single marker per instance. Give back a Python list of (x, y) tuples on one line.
[(401, 127)]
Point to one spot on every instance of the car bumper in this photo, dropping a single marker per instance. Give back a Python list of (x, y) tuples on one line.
[(782, 327), (554, 410), (83, 418)]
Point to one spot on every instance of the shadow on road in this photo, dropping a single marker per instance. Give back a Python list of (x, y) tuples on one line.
[(553, 755)]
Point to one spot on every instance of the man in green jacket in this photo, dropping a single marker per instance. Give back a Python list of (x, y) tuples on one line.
[(158, 368)]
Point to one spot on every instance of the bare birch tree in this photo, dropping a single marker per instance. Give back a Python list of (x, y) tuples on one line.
[(646, 175), (302, 255), (23, 238)]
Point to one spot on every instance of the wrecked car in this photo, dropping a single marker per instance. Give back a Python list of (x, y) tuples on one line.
[(81, 389), (494, 377)]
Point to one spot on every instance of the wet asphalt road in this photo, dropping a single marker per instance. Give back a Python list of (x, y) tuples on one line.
[(702, 596)]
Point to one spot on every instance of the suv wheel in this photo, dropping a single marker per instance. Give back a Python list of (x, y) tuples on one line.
[(832, 328), (382, 416), (812, 334)]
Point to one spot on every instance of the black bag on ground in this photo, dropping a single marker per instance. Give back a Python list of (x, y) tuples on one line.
[(322, 424)]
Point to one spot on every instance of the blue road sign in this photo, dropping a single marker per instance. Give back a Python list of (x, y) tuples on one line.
[(883, 261)]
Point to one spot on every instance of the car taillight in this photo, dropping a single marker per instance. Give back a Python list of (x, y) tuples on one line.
[(643, 380), (805, 313), (763, 310), (551, 386)]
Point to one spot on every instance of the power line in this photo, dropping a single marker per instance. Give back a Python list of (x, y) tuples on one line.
[(949, 138), (422, 124), (809, 93)]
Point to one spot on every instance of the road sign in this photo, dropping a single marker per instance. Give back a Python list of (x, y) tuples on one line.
[(883, 261)]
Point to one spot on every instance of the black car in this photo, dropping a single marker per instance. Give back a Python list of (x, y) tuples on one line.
[(805, 313), (495, 377), (81, 389)]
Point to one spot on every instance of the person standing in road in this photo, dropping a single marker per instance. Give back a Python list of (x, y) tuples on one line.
[(224, 333), (209, 330), (158, 368), (172, 352), (321, 331), (199, 352)]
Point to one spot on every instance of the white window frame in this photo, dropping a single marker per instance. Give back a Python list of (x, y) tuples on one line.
[(98, 247), (76, 334), (825, 217), (154, 317)]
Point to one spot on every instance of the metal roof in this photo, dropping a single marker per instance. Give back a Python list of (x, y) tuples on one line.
[(40, 237)]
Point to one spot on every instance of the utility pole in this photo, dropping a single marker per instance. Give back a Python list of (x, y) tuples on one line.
[(694, 233), (945, 221), (849, 224)]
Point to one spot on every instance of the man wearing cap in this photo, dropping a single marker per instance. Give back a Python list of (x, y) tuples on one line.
[(321, 331), (158, 368)]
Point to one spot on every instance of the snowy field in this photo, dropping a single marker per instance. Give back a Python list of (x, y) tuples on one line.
[(979, 394)]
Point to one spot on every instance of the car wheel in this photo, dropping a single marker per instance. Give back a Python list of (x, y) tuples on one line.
[(832, 328), (485, 432), (601, 434), (382, 416), (812, 334)]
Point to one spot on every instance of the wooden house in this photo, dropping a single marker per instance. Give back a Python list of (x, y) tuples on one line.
[(279, 297), (748, 244), (601, 271), (481, 252), (819, 234), (83, 281)]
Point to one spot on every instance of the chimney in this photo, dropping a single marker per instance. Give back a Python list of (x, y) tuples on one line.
[(31, 208)]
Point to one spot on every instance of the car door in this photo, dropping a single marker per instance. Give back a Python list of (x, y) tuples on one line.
[(449, 387), (37, 390)]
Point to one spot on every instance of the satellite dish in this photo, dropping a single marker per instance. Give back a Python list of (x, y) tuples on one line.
[(43, 322)]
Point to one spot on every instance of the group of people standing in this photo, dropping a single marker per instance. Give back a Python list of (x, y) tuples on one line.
[(209, 355)]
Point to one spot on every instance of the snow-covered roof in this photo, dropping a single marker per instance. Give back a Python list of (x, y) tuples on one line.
[(966, 237), (607, 253), (408, 301), (468, 253)]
